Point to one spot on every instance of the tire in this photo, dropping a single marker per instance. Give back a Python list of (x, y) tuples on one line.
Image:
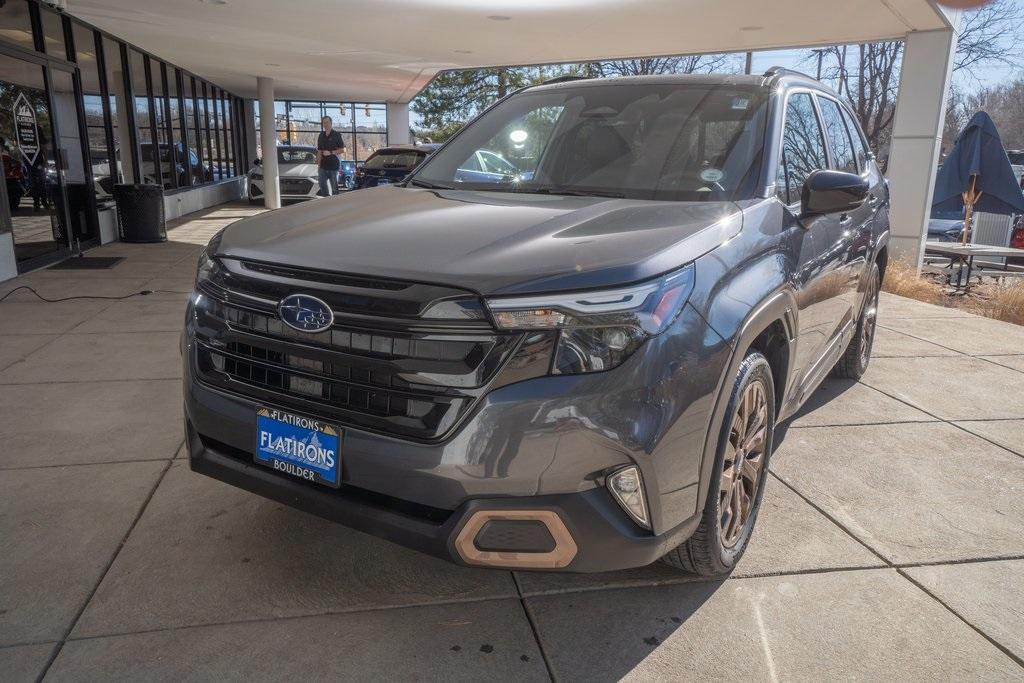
[(854, 362), (717, 545)]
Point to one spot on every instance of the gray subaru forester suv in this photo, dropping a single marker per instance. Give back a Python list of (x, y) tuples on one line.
[(564, 341)]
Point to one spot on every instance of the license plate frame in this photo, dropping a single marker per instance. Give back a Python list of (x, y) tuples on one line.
[(284, 443)]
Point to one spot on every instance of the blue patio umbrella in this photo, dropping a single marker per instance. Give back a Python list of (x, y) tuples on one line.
[(976, 176)]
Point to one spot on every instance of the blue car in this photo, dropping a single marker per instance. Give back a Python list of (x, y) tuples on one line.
[(347, 174), (390, 165)]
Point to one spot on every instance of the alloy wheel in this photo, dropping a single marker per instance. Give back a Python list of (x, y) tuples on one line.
[(868, 321), (742, 464)]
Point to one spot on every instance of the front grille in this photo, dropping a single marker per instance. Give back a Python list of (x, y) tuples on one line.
[(296, 185), (405, 382)]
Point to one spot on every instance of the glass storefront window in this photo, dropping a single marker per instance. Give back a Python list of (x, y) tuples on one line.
[(200, 172), (305, 122), (115, 84), (213, 102), (92, 105), (229, 136), (143, 123), (160, 117), (53, 34), (179, 146), (16, 25)]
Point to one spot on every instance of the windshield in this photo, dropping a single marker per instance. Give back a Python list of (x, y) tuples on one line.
[(640, 141), (296, 155), (394, 158)]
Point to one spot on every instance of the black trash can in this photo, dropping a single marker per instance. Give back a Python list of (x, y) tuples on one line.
[(140, 213)]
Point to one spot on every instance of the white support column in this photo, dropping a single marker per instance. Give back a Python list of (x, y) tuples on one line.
[(398, 123), (917, 137), (268, 141)]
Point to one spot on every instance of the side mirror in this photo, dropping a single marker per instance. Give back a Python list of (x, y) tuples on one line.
[(832, 192)]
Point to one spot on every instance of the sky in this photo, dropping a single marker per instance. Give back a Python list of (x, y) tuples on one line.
[(796, 59)]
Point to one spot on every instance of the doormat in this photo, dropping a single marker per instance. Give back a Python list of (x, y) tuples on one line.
[(88, 263)]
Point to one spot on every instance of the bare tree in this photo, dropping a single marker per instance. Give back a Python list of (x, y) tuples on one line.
[(867, 75), (651, 66), (989, 35)]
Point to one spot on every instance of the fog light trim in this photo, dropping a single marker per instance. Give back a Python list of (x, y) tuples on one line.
[(627, 488), (564, 552)]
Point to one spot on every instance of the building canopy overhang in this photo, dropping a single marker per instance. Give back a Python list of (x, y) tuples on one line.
[(388, 50)]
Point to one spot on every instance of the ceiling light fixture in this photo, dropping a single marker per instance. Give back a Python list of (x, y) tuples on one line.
[(214, 2), (498, 17)]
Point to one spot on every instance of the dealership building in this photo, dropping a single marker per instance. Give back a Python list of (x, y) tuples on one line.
[(178, 92)]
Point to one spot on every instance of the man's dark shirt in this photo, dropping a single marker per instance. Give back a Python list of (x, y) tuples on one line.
[(330, 140)]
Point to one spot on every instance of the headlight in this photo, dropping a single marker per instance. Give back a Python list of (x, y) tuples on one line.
[(599, 330), (256, 176), (207, 264), (205, 267)]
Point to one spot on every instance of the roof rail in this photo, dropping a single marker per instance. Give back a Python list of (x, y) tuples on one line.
[(563, 79), (776, 71)]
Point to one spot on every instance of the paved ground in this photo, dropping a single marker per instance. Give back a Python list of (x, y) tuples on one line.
[(891, 545)]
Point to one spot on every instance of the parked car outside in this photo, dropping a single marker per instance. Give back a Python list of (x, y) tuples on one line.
[(201, 173), (297, 170), (1017, 242), (581, 371), (347, 174), (391, 164), (945, 226)]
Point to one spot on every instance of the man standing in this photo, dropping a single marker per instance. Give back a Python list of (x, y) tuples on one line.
[(329, 145)]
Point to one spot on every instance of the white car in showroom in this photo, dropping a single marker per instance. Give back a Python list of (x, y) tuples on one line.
[(297, 166)]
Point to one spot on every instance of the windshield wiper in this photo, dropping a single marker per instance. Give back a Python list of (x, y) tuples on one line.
[(570, 192), (429, 186)]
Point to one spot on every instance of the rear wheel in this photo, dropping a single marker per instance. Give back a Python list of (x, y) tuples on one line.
[(854, 362), (737, 483)]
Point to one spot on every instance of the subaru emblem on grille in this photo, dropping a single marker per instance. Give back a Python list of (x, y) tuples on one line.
[(305, 313)]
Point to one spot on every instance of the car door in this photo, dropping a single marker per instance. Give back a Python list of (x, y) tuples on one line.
[(853, 243), (877, 208), (816, 275)]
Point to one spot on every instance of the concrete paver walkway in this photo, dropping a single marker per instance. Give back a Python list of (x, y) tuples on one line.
[(891, 544)]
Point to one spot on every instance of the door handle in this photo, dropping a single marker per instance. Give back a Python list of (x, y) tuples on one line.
[(872, 200), (845, 219)]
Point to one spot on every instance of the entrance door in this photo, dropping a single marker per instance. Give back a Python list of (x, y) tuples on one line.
[(29, 164), (78, 212)]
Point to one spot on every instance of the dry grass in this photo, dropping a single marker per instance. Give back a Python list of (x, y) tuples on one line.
[(1000, 301), (903, 280)]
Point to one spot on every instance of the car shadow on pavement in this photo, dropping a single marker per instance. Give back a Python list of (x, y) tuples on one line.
[(607, 635)]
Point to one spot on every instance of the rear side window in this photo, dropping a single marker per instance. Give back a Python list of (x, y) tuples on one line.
[(803, 148), (859, 148), (843, 158)]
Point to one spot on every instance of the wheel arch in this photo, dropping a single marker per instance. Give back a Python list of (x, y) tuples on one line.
[(770, 327)]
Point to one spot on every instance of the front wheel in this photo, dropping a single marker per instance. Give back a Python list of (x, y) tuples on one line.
[(854, 362), (737, 481)]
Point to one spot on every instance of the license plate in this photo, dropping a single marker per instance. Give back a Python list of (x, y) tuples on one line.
[(302, 447)]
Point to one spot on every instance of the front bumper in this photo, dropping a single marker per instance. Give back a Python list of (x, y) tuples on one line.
[(287, 194), (543, 444), (605, 538)]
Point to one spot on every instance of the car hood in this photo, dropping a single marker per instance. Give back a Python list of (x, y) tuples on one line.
[(297, 170), (487, 242)]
